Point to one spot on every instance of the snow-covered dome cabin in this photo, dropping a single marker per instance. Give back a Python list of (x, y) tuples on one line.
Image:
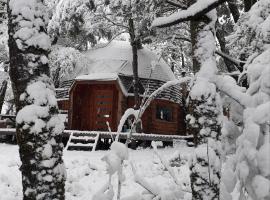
[(104, 90)]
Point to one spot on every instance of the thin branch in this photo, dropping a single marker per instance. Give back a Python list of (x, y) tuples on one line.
[(208, 160), (228, 57), (218, 52), (105, 45), (116, 24), (178, 38), (172, 3), (194, 12), (168, 168), (142, 182)]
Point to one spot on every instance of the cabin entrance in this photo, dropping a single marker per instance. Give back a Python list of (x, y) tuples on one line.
[(103, 109)]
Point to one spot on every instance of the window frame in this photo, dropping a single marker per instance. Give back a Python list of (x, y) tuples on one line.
[(170, 108)]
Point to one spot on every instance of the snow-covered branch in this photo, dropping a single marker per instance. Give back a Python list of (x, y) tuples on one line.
[(128, 113), (231, 59), (141, 181), (166, 165), (196, 10), (232, 90), (160, 89)]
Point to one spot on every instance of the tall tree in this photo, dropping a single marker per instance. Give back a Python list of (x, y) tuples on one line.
[(39, 127), (135, 17), (204, 105)]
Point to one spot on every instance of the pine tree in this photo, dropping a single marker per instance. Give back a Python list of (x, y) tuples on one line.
[(39, 128)]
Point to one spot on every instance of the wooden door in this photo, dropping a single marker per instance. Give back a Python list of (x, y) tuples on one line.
[(103, 109)]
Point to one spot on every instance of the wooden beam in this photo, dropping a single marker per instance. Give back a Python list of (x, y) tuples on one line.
[(108, 135)]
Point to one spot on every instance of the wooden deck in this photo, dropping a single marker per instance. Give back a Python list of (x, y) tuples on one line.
[(108, 135)]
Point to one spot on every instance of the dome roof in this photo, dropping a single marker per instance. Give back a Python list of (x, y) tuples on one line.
[(117, 58)]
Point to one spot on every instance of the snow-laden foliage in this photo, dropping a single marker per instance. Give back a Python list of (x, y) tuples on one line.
[(142, 12), (65, 63), (248, 161), (251, 31), (79, 23), (250, 154), (39, 128)]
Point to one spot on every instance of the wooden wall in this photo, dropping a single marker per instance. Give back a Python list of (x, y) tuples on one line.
[(81, 111), (153, 125), (63, 104)]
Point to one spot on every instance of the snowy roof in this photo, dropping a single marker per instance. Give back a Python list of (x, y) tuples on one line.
[(117, 58), (114, 62), (98, 76)]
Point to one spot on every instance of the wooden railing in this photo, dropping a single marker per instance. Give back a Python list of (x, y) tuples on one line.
[(108, 135)]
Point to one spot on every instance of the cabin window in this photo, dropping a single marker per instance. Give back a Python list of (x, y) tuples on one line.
[(164, 113)]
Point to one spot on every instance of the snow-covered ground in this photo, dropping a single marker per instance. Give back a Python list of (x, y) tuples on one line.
[(86, 173)]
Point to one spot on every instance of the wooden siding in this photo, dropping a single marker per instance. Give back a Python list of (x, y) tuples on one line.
[(83, 109), (153, 125), (84, 105), (63, 104)]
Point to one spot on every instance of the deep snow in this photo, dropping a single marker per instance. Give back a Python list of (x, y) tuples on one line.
[(86, 173)]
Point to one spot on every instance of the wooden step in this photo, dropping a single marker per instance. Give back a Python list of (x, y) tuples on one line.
[(79, 141)]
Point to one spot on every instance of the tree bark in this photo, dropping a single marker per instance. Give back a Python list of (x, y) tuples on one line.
[(232, 4), (134, 44), (38, 125), (3, 90), (194, 29), (222, 42), (248, 4)]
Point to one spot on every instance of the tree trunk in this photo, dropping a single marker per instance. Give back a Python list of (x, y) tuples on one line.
[(248, 4), (38, 125), (3, 90), (203, 113), (222, 42), (232, 4), (134, 44), (193, 36)]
